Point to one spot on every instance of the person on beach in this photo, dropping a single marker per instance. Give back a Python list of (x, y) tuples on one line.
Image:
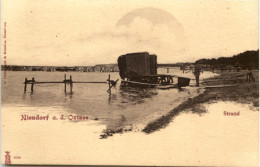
[(197, 72), (249, 76), (222, 68), (212, 68), (183, 68)]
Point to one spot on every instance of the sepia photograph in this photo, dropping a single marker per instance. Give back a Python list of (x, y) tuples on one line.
[(130, 82)]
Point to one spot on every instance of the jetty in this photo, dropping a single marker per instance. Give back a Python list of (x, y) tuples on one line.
[(32, 82)]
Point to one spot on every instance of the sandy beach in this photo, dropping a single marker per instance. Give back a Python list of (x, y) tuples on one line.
[(241, 92), (207, 139)]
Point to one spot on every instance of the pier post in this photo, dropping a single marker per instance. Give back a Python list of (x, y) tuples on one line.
[(167, 70), (32, 84), (65, 83), (108, 81), (25, 85), (70, 84)]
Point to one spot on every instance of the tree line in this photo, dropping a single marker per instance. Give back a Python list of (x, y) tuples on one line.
[(245, 59)]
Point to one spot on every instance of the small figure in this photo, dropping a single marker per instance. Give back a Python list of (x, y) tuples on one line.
[(237, 66), (222, 68), (238, 69), (183, 68), (196, 72), (249, 76), (213, 68)]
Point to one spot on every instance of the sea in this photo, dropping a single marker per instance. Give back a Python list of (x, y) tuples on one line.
[(123, 108)]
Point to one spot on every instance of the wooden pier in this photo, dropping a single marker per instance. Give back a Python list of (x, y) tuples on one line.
[(69, 82)]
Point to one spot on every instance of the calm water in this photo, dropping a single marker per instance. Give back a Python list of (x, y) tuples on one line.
[(123, 108)]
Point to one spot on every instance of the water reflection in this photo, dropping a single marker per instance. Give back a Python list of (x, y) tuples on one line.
[(118, 109), (136, 95), (111, 98), (69, 95), (121, 107)]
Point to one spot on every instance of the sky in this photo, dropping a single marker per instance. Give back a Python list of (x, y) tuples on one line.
[(88, 32)]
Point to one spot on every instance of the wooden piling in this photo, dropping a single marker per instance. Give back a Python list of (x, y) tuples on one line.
[(108, 81), (32, 84), (70, 84), (25, 85), (65, 90)]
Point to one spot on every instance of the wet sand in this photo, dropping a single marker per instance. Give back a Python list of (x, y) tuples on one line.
[(210, 139), (246, 93)]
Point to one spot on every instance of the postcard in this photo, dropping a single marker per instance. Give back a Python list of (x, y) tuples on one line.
[(147, 82)]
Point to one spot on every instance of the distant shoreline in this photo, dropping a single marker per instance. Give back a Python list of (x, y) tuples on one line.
[(96, 68)]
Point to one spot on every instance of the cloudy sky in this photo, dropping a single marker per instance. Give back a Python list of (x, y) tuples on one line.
[(85, 32)]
